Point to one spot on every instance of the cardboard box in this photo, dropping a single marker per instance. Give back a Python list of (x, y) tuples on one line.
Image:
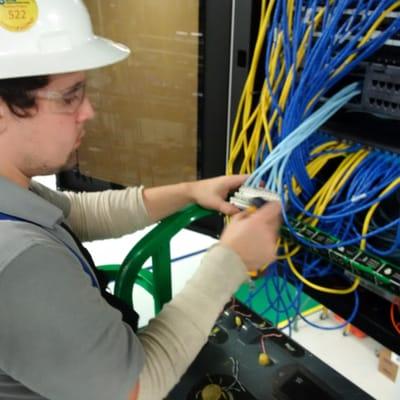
[(146, 129), (389, 363)]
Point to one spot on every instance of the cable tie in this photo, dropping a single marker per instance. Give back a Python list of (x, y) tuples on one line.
[(358, 197)]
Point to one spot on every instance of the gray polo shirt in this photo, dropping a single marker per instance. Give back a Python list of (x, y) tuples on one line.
[(59, 339)]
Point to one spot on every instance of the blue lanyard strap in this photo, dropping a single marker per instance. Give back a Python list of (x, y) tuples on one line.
[(85, 267)]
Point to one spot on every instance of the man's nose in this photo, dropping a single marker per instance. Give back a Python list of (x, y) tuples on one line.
[(86, 111)]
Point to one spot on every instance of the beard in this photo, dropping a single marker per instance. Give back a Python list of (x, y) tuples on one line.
[(71, 163)]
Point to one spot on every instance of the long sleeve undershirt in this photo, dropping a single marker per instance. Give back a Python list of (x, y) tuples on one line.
[(108, 214)]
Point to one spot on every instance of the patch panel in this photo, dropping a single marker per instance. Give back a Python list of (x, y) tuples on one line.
[(381, 292), (381, 90), (394, 41), (380, 72), (378, 272), (374, 270)]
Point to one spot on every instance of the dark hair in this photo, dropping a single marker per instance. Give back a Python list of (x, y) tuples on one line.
[(16, 93)]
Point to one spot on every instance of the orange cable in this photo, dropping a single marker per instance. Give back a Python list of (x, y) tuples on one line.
[(396, 325)]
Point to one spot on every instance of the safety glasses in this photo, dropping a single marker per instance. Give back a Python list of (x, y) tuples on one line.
[(66, 101)]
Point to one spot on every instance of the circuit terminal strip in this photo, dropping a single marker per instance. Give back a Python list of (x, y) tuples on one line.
[(372, 269), (377, 274)]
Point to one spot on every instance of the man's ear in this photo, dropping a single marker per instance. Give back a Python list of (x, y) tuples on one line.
[(3, 124)]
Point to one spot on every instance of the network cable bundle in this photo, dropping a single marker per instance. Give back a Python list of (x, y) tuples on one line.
[(340, 198)]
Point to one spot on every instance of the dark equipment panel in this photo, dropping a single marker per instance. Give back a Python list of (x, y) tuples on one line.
[(228, 365)]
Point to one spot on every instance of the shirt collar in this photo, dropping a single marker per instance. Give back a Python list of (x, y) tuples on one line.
[(25, 204)]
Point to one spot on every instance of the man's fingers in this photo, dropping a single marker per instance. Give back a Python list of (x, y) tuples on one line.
[(228, 209), (270, 212), (240, 216), (237, 180)]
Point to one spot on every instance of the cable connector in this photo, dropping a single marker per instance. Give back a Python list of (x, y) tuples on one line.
[(247, 197), (250, 199)]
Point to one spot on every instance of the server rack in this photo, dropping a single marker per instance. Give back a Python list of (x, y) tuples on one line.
[(357, 122)]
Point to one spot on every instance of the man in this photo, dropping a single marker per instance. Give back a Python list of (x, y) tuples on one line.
[(60, 336)]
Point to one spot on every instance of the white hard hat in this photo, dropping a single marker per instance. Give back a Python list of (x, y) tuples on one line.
[(45, 37)]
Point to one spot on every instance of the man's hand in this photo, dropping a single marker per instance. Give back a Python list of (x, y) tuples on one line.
[(212, 193), (253, 236), (163, 201)]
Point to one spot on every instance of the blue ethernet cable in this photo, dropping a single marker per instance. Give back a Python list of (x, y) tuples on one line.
[(306, 129), (338, 39)]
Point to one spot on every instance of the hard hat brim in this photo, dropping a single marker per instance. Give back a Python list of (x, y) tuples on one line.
[(94, 53)]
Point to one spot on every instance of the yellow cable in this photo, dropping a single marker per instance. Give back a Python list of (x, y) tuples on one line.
[(362, 42), (256, 56), (312, 285), (246, 167), (304, 313), (371, 212), (334, 183), (235, 150), (315, 165), (263, 6), (368, 35), (258, 118), (265, 106), (246, 97), (338, 179), (290, 254), (290, 13), (240, 142), (246, 100), (299, 59)]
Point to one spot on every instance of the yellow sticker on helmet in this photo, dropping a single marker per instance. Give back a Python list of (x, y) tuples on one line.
[(18, 15)]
